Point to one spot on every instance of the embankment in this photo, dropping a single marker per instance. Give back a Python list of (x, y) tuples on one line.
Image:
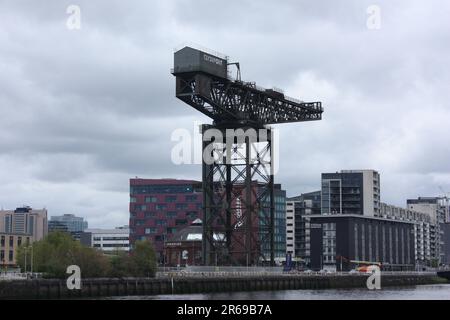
[(57, 289)]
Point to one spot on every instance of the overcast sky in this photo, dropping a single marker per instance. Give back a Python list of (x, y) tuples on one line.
[(83, 110)]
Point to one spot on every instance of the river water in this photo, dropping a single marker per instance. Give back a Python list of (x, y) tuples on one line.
[(422, 292)]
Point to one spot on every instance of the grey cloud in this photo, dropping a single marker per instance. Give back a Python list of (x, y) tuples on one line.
[(83, 111)]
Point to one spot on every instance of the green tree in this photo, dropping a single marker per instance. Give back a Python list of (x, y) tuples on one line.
[(53, 254), (143, 259), (120, 264)]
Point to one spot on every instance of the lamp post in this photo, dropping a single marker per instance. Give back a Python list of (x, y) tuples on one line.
[(31, 261), (25, 249)]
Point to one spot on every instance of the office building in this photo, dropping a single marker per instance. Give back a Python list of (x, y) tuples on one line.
[(25, 221), (72, 222), (161, 207), (68, 223), (107, 240)]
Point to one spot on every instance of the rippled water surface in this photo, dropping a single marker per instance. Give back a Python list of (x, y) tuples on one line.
[(422, 292)]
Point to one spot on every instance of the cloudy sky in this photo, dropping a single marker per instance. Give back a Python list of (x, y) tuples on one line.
[(83, 110)]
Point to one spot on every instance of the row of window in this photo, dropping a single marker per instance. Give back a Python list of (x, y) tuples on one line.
[(169, 199), (169, 215), (11, 241), (160, 222), (110, 238), (161, 206)]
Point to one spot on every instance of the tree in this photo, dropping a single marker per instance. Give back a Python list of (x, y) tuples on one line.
[(143, 259), (53, 254)]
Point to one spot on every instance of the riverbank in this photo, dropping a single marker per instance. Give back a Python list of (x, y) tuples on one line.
[(57, 289)]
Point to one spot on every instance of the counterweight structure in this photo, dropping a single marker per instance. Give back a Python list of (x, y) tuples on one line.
[(238, 159)]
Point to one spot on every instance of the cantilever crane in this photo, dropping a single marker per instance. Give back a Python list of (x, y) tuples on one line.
[(238, 196)]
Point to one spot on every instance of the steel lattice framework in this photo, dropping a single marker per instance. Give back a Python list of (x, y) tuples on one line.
[(238, 184), (242, 102)]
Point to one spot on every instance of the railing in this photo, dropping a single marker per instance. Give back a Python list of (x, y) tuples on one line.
[(19, 275), (230, 274)]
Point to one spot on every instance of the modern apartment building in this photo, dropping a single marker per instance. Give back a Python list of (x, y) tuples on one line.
[(436, 209), (107, 240), (349, 196), (25, 221), (298, 212), (351, 192)]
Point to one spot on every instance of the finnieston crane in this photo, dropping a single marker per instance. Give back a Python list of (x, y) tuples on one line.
[(238, 195)]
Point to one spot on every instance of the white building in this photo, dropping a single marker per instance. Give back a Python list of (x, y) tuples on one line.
[(107, 240)]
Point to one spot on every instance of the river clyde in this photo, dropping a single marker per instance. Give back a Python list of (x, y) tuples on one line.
[(420, 292)]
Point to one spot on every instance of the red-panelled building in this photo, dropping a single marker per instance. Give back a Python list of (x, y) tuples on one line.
[(161, 207)]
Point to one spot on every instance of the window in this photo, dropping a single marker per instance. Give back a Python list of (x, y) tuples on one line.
[(11, 255), (171, 230), (150, 230), (150, 214), (181, 206), (139, 222), (181, 222), (161, 222), (133, 200), (161, 207), (171, 214), (2, 241), (171, 198), (11, 241), (191, 198), (192, 215), (150, 199), (141, 207)]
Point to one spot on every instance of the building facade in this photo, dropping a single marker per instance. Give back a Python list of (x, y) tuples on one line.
[(107, 240), (185, 246), (9, 242), (280, 227), (25, 221), (436, 209), (161, 207), (72, 222), (344, 242), (298, 212), (351, 192)]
